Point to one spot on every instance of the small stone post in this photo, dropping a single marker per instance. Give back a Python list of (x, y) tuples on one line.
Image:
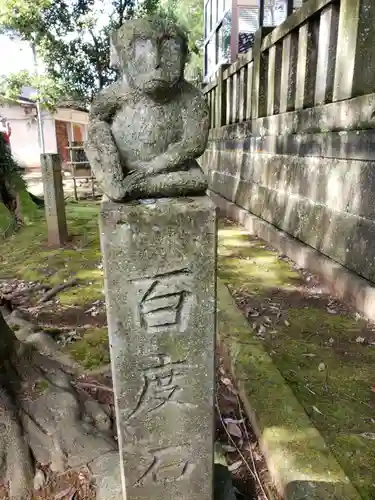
[(160, 280), (54, 199)]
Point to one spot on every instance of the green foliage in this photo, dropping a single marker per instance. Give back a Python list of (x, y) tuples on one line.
[(72, 38), (10, 172), (47, 90), (189, 14)]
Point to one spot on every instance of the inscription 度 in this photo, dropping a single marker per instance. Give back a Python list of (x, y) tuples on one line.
[(164, 301), (161, 385), (167, 465)]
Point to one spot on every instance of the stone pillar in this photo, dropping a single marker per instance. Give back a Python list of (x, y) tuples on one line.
[(160, 280), (54, 199), (355, 56)]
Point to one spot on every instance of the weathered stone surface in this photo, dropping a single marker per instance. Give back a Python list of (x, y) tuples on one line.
[(342, 236), (343, 185), (147, 129), (54, 199), (325, 71), (160, 261), (354, 144), (353, 114), (355, 58), (288, 72), (306, 64)]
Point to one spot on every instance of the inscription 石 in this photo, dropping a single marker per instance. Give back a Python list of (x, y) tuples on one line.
[(161, 385), (167, 465), (164, 301)]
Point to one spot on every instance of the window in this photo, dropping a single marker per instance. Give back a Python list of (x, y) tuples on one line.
[(211, 53), (206, 21), (275, 12), (209, 11), (214, 13), (226, 28), (220, 9), (248, 21)]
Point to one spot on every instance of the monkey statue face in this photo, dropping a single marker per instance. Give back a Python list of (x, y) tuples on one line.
[(150, 53)]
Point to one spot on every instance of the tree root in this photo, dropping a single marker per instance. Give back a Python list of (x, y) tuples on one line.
[(26, 291), (44, 416), (56, 289)]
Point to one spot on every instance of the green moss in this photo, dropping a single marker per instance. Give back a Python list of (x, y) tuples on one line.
[(92, 351), (25, 255), (247, 263), (295, 448), (41, 386), (7, 223), (28, 208), (338, 398)]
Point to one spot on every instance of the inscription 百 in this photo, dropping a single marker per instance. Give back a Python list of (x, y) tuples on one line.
[(167, 465), (164, 301), (162, 383)]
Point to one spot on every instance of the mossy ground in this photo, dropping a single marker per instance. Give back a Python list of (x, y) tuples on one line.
[(314, 343), (26, 256), (92, 350), (301, 334)]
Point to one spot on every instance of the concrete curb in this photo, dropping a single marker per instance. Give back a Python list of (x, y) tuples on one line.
[(299, 461), (346, 285)]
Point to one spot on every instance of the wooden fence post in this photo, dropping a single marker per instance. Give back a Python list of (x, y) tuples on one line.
[(355, 56), (260, 75), (221, 98)]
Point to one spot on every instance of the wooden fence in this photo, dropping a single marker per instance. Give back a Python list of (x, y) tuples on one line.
[(324, 52)]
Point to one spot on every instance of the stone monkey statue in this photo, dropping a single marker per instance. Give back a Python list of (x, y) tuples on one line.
[(147, 129)]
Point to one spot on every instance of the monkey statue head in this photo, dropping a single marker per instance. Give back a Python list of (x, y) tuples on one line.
[(150, 53)]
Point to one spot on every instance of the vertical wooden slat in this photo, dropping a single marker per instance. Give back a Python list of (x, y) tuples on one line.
[(249, 89), (307, 62), (242, 94), (220, 99), (235, 98), (260, 71), (271, 80), (229, 97), (325, 72), (288, 72), (355, 57), (277, 81)]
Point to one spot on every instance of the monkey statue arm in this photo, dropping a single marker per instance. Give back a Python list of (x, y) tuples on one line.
[(194, 111), (101, 150)]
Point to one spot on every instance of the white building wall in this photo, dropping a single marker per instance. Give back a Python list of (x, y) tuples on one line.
[(24, 139)]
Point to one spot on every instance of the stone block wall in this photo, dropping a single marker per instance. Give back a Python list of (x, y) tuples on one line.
[(292, 135)]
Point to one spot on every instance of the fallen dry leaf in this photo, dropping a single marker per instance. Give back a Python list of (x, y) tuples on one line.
[(226, 381), (317, 410), (235, 466), (234, 430)]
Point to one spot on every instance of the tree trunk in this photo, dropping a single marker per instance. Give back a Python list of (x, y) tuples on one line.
[(43, 417)]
